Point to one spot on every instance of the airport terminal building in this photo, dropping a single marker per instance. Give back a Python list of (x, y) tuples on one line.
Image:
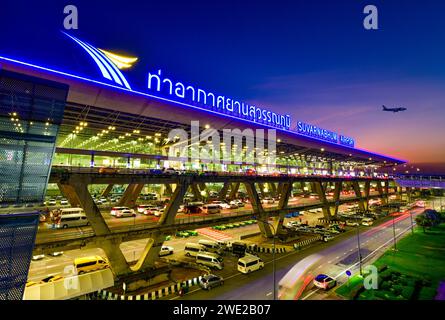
[(99, 119)]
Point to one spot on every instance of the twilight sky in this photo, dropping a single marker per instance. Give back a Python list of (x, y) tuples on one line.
[(311, 59)]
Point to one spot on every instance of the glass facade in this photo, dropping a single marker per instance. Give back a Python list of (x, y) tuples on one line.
[(31, 111)]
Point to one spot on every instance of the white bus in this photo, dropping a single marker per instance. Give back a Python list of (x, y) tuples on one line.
[(66, 211), (292, 285)]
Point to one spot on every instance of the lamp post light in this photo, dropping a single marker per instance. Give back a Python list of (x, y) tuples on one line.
[(358, 246), (273, 257)]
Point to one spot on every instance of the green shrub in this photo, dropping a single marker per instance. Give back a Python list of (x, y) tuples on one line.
[(427, 293), (407, 292), (385, 275)]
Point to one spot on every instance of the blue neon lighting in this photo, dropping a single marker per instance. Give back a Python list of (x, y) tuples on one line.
[(112, 66), (102, 68), (186, 105), (92, 50)]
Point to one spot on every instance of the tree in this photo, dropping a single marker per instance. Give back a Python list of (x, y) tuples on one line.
[(424, 222)]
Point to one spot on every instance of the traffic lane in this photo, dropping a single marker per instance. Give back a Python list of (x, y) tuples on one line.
[(263, 288), (373, 242), (243, 288)]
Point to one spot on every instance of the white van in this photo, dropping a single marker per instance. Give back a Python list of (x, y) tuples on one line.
[(192, 249), (211, 246), (66, 211), (210, 259), (211, 208), (367, 222), (249, 263), (72, 220)]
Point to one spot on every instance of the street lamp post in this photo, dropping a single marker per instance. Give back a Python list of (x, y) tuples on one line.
[(359, 250), (394, 231), (273, 257)]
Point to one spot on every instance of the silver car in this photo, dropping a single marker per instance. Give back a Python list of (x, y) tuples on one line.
[(209, 281)]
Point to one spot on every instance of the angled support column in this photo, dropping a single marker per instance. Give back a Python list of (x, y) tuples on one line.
[(176, 199), (234, 187), (131, 194), (92, 212), (272, 189), (258, 209), (69, 193), (154, 244), (223, 192), (261, 187), (150, 253), (107, 190), (358, 194), (168, 189), (196, 192), (329, 210), (279, 188), (383, 196), (115, 257), (286, 192)]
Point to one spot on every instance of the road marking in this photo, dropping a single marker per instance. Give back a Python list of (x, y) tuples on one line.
[(355, 264), (268, 294)]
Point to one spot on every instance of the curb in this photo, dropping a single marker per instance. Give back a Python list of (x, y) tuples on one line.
[(306, 242), (157, 294), (260, 249)]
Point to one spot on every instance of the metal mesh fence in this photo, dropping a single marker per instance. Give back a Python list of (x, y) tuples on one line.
[(17, 236), (31, 111)]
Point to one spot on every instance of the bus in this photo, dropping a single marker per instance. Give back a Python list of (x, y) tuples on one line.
[(293, 284)]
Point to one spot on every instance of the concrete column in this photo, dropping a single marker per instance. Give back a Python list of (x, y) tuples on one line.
[(107, 190), (196, 192), (168, 189), (223, 192), (118, 263), (69, 193), (272, 189), (91, 210), (176, 199), (202, 186), (329, 210), (150, 253), (234, 187), (258, 209), (285, 195), (130, 195), (358, 194), (279, 188), (381, 193)]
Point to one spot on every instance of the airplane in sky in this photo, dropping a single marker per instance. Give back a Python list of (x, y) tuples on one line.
[(393, 109)]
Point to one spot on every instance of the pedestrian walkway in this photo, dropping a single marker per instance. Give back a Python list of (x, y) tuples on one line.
[(214, 234)]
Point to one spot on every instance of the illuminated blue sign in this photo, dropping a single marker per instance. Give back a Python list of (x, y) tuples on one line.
[(323, 134), (216, 102)]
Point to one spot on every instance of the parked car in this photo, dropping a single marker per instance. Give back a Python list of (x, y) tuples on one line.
[(51, 278), (126, 213), (38, 257), (64, 202), (56, 253), (165, 251), (268, 200), (108, 170), (170, 171), (325, 282), (327, 237), (352, 223), (210, 280)]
